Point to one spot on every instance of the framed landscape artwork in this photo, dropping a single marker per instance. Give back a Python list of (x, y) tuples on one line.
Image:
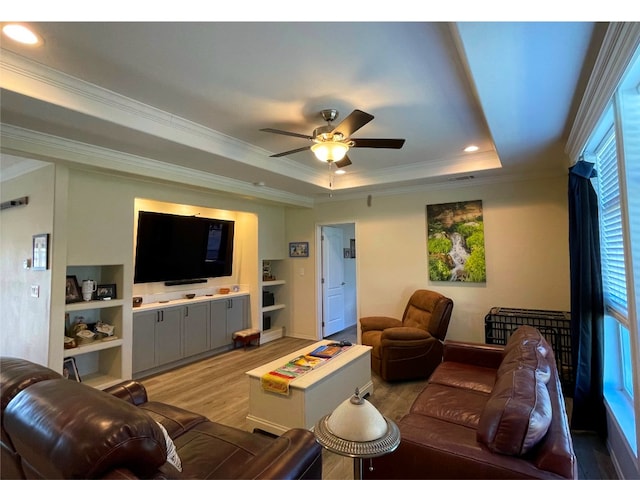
[(455, 242)]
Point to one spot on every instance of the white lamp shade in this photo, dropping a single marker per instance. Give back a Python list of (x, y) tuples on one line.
[(358, 422), (330, 151)]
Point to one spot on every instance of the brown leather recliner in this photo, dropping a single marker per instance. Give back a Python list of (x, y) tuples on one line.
[(53, 427), (410, 348)]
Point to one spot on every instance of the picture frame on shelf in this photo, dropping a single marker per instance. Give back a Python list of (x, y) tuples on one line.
[(70, 370), (298, 249), (72, 290), (106, 291), (40, 252)]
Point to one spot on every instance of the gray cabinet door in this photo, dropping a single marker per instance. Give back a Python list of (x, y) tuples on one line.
[(235, 316), (218, 323), (169, 336), (143, 355), (196, 328)]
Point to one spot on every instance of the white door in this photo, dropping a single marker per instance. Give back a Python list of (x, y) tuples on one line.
[(332, 281)]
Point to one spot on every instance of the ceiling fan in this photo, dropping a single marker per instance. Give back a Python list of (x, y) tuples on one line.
[(331, 144)]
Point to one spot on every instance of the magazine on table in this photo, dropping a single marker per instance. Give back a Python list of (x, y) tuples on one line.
[(308, 361), (326, 351)]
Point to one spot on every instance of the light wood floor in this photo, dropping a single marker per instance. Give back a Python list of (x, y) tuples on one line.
[(218, 388)]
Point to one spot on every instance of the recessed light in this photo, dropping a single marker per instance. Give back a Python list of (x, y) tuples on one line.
[(259, 184), (471, 148), (340, 172), (21, 34)]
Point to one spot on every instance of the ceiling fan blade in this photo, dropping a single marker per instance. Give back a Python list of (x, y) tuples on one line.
[(345, 162), (356, 120), (283, 132), (289, 152), (378, 142)]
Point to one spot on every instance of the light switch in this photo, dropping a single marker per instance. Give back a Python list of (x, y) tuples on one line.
[(35, 291)]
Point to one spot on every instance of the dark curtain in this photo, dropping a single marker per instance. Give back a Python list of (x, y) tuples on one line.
[(587, 305)]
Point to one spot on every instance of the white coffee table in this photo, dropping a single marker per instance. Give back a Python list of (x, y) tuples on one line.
[(312, 395)]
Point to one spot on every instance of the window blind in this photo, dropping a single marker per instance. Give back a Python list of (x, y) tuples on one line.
[(611, 242)]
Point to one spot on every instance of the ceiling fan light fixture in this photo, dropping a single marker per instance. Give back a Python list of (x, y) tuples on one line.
[(330, 151)]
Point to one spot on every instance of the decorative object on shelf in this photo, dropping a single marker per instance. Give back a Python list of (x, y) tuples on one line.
[(70, 369), (137, 301), (235, 288), (357, 429), (223, 291), (72, 290), (266, 271), (298, 249), (190, 295), (40, 252), (84, 337), (352, 244), (69, 342), (104, 331), (106, 291), (88, 289)]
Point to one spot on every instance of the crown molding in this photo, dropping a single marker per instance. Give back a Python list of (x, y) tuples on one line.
[(35, 144), (38, 81), (620, 43)]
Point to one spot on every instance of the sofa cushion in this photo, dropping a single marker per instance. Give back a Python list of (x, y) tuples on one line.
[(518, 413), (526, 347), (464, 376), (172, 455), (450, 404)]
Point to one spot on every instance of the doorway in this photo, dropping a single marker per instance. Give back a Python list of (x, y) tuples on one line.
[(337, 286)]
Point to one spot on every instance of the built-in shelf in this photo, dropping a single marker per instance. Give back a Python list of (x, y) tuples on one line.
[(273, 316), (92, 347), (271, 308), (100, 363), (76, 307)]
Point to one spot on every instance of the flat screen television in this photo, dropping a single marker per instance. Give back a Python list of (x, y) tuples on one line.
[(182, 248)]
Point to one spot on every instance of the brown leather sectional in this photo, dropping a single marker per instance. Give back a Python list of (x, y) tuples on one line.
[(58, 428), (486, 412)]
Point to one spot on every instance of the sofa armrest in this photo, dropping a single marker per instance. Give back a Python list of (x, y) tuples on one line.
[(130, 390), (404, 334), (478, 354), (295, 454), (378, 323)]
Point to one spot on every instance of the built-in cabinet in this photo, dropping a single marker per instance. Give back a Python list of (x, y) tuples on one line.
[(166, 336), (273, 286), (100, 363)]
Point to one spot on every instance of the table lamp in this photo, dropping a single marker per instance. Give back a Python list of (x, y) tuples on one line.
[(357, 429)]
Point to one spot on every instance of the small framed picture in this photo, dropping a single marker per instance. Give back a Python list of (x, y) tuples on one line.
[(106, 291), (299, 249), (40, 252), (70, 369), (72, 290)]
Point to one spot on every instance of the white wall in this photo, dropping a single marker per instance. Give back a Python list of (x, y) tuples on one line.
[(526, 242), (24, 320)]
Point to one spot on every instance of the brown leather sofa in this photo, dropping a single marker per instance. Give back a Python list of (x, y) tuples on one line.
[(58, 428), (486, 412), (410, 348)]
